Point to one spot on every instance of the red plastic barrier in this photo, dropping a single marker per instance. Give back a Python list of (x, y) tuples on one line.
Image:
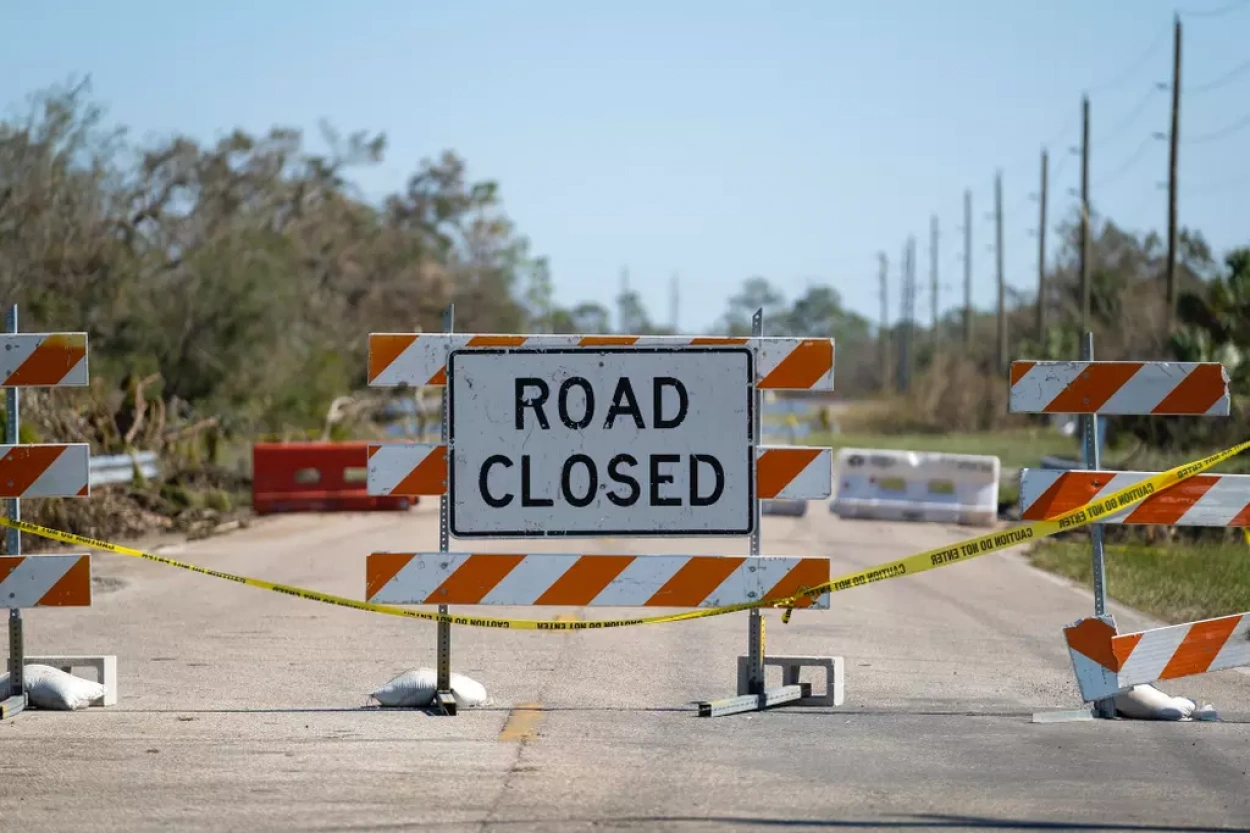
[(316, 477)]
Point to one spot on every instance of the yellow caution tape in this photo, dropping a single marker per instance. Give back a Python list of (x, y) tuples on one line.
[(973, 547), (919, 563)]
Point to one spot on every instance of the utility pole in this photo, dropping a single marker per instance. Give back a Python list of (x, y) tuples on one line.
[(1084, 253), (674, 300), (622, 300), (1172, 160), (1041, 255), (908, 271), (904, 354), (883, 331), (967, 268), (933, 277), (998, 256)]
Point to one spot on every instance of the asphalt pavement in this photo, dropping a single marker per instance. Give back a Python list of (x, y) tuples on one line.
[(247, 710)]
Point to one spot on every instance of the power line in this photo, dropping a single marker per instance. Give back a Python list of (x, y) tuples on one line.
[(1138, 64), (1067, 125), (1128, 163), (1222, 81), (1219, 185), (1133, 115), (1072, 120), (1219, 11), (1227, 130)]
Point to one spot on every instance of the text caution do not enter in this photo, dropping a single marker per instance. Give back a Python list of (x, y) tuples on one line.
[(605, 441)]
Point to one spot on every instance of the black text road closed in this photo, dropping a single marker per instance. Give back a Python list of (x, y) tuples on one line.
[(600, 441)]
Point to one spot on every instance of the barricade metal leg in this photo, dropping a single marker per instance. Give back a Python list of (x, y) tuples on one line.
[(1090, 461), (752, 694), (444, 699), (15, 699), (1089, 456)]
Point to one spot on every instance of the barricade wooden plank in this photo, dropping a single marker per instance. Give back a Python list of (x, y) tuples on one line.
[(575, 580), (44, 360), (1202, 500), (793, 472), (1127, 388), (785, 472), (417, 359), (45, 581), (46, 470), (1107, 662)]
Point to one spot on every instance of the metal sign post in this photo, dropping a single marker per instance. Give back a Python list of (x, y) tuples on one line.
[(444, 698), (752, 693), (755, 625), (15, 701), (1090, 460)]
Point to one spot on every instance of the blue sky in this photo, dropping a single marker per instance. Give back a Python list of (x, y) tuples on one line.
[(714, 140)]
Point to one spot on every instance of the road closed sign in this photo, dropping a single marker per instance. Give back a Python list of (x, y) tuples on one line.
[(600, 441)]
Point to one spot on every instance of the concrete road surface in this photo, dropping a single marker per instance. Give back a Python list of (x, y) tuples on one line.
[(246, 710)]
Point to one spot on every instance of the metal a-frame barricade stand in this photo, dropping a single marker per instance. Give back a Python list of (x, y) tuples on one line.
[(601, 580), (1105, 662), (39, 471)]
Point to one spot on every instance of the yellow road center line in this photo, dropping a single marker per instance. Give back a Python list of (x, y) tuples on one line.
[(522, 721)]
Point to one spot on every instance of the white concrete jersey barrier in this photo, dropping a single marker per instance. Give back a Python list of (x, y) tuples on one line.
[(890, 485)]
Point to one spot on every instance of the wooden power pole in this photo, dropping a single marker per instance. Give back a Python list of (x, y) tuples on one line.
[(967, 268), (883, 330), (907, 315), (998, 257), (933, 278), (1041, 254), (1084, 253), (1172, 160)]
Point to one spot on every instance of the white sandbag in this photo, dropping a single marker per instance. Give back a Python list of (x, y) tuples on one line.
[(415, 689), (468, 692), (1145, 702), (1206, 712), (53, 689), (412, 689)]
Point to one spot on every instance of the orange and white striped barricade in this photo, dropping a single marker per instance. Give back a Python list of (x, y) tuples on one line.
[(783, 472), (44, 360), (595, 580), (601, 436), (1108, 662), (892, 485), (1211, 500), (782, 426), (1128, 388)]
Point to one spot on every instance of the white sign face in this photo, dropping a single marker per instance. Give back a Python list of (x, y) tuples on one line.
[(600, 441)]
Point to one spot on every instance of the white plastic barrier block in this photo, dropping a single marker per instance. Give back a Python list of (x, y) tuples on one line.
[(890, 485)]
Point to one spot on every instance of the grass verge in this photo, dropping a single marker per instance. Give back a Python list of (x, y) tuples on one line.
[(1175, 582)]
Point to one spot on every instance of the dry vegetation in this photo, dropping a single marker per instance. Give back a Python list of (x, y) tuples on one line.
[(959, 388), (227, 289)]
